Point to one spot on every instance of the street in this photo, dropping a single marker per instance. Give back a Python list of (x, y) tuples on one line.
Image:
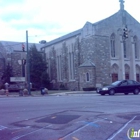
[(69, 117)]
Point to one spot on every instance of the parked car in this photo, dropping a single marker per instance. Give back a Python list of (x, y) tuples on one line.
[(124, 86)]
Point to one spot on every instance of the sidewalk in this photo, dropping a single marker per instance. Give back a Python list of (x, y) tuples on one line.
[(65, 93), (76, 93), (51, 93)]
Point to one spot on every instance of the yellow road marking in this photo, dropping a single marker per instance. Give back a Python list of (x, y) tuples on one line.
[(53, 117), (17, 131), (75, 138)]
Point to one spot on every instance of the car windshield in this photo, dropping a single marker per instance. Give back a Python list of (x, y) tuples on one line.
[(116, 83)]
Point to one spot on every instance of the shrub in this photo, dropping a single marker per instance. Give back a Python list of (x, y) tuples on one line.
[(63, 87), (89, 89)]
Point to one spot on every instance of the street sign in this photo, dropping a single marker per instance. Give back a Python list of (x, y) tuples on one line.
[(17, 79)]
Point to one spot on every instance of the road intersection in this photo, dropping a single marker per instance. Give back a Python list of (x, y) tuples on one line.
[(69, 117)]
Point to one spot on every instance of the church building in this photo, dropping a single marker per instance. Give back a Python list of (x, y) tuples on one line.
[(97, 54)]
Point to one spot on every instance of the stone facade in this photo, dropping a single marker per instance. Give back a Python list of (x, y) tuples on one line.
[(96, 49), (87, 74), (2, 61), (16, 63), (12, 54), (103, 44)]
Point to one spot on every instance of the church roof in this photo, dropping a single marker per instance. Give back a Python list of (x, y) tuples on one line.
[(75, 33), (87, 63), (95, 23), (118, 15), (72, 34), (115, 14)]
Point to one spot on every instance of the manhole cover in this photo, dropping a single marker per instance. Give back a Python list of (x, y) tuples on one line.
[(58, 119)]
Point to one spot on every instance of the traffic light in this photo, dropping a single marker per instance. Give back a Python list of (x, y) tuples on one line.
[(125, 32), (23, 48)]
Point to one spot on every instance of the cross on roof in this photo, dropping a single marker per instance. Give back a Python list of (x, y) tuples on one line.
[(121, 4)]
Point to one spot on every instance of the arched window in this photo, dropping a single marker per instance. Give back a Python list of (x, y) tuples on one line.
[(114, 71), (71, 65), (138, 73), (135, 47), (59, 72), (127, 71), (124, 48), (87, 77), (112, 41)]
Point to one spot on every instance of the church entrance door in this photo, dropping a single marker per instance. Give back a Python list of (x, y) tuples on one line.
[(114, 77)]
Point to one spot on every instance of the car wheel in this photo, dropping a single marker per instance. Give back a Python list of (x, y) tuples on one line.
[(112, 92), (136, 91), (126, 93)]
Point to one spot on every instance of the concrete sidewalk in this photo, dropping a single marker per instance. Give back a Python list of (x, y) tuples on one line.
[(76, 93), (51, 93)]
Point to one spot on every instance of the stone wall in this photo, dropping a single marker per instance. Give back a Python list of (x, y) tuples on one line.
[(17, 68), (97, 50), (92, 77), (94, 48)]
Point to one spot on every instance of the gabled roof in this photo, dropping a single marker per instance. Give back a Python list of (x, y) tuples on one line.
[(115, 14), (131, 16), (78, 32), (72, 34), (67, 36), (87, 63), (105, 18)]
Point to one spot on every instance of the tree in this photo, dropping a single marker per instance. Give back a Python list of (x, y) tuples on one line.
[(44, 79), (7, 73), (38, 68)]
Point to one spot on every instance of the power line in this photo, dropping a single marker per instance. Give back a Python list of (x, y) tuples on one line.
[(14, 44), (7, 45)]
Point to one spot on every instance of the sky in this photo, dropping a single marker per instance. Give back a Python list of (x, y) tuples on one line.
[(50, 19)]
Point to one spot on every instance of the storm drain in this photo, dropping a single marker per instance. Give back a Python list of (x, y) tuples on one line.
[(58, 119)]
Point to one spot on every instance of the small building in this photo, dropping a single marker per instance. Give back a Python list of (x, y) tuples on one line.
[(12, 54)]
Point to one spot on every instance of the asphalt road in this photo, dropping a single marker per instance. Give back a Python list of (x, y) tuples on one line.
[(69, 117)]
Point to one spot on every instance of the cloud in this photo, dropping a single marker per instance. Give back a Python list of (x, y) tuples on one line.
[(49, 19), (9, 17), (4, 3)]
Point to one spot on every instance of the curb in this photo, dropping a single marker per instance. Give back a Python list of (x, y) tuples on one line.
[(72, 93)]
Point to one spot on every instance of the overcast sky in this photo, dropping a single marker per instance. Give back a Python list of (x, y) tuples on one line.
[(49, 19)]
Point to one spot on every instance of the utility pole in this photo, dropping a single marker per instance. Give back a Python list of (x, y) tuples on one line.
[(23, 60), (28, 65)]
